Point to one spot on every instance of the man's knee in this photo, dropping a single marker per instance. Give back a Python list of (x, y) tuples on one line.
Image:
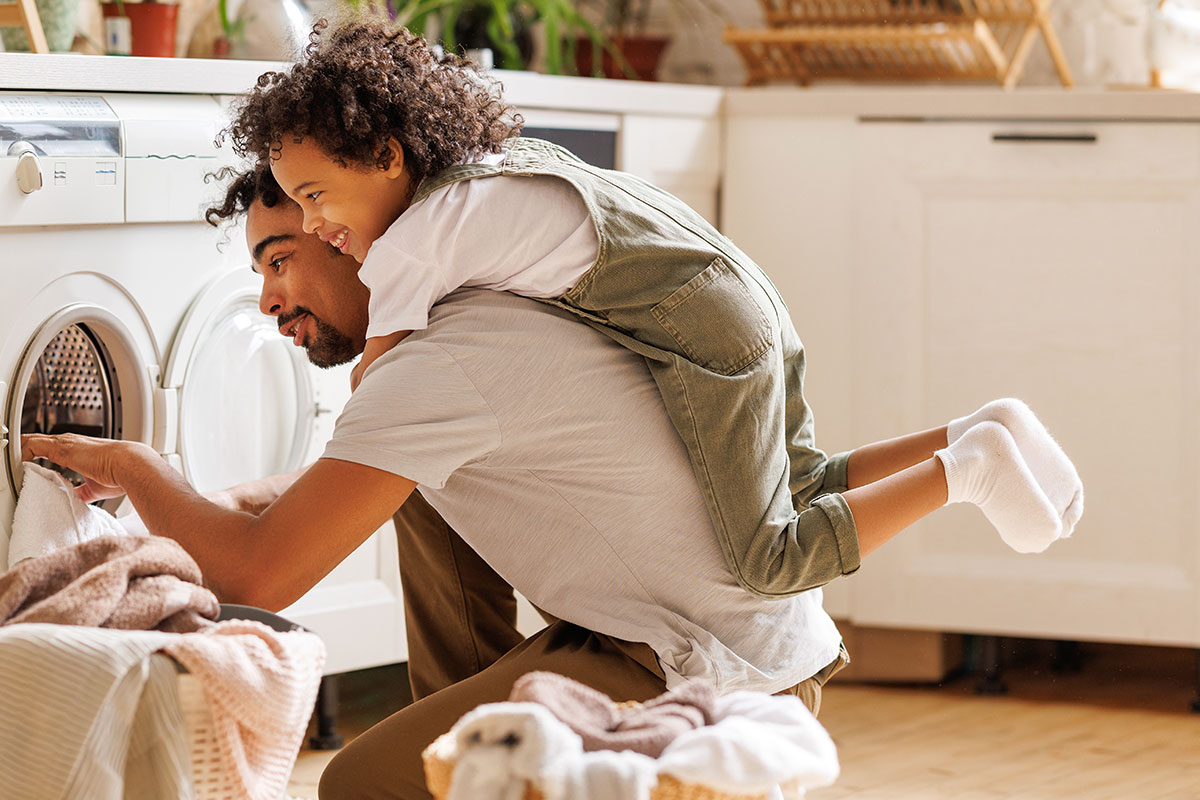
[(355, 775)]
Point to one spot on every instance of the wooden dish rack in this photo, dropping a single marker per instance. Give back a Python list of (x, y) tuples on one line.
[(899, 40)]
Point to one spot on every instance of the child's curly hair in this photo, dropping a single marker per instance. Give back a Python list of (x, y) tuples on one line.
[(244, 188), (365, 82)]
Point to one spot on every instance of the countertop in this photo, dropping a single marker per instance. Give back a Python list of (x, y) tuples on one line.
[(77, 73), (929, 102)]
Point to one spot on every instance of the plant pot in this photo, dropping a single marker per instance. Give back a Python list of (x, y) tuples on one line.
[(152, 24), (58, 17), (642, 52)]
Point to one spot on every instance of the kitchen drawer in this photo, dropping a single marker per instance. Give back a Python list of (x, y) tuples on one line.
[(1041, 150)]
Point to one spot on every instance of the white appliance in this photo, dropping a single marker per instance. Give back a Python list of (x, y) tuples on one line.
[(126, 316)]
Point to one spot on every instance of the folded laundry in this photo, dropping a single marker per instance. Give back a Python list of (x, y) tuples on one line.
[(645, 728), (135, 583), (49, 517)]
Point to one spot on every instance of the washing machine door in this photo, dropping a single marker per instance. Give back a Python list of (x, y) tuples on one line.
[(244, 403)]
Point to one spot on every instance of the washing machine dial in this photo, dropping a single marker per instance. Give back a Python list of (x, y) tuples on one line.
[(29, 168)]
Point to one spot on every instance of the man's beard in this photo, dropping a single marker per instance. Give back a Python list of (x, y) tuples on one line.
[(327, 346)]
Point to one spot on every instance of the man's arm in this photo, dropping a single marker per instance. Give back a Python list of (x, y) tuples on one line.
[(266, 560)]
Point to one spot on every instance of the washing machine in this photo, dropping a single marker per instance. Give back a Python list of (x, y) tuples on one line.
[(126, 316)]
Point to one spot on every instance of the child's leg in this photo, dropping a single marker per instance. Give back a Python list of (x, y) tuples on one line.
[(983, 466), (876, 461)]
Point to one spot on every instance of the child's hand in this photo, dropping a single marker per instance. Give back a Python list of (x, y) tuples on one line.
[(356, 375)]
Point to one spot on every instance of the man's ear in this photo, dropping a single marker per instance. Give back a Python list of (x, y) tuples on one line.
[(396, 168)]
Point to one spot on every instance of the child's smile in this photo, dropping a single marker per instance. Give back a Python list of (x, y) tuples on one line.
[(347, 206)]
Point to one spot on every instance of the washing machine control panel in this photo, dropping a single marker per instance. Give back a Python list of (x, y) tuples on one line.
[(60, 161)]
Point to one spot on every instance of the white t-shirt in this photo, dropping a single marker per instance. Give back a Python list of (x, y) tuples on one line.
[(548, 448), (529, 235)]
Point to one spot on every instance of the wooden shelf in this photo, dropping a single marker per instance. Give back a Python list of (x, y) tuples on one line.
[(901, 40)]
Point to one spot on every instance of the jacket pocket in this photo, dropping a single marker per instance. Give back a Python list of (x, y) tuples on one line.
[(716, 321)]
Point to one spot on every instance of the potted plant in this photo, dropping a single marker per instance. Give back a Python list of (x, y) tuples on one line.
[(151, 25), (505, 26), (231, 30), (633, 51)]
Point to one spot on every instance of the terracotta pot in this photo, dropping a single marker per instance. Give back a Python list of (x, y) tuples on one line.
[(642, 52), (153, 26)]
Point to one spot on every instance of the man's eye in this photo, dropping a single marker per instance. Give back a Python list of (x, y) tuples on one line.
[(275, 264)]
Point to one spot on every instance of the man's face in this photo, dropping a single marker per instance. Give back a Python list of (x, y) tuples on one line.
[(310, 288)]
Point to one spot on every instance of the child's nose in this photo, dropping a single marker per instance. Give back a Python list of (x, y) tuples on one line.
[(312, 221)]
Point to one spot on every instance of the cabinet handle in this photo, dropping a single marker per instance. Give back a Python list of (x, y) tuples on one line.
[(1057, 138)]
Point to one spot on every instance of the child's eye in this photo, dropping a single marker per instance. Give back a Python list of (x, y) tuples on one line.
[(314, 195)]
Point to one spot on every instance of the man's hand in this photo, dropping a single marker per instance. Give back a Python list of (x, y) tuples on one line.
[(99, 461)]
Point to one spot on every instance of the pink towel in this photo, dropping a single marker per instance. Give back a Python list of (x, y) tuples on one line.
[(261, 686), (645, 728), (134, 583)]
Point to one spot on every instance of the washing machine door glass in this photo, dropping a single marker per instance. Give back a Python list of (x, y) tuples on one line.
[(246, 403), (72, 389)]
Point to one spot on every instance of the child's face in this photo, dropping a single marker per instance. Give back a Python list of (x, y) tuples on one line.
[(347, 206)]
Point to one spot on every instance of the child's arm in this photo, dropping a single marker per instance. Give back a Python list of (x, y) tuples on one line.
[(376, 346)]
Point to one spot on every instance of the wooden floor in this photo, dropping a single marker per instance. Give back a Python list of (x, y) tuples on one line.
[(1118, 728)]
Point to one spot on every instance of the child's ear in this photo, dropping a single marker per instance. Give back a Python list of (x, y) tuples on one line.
[(396, 168)]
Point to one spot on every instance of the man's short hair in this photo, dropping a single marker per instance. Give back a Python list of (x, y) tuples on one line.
[(245, 187)]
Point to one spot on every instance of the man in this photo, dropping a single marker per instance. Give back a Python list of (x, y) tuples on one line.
[(538, 440)]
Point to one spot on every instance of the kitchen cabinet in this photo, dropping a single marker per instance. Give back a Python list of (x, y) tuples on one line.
[(934, 264)]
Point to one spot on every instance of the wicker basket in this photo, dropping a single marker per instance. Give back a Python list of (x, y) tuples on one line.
[(972, 40), (439, 770)]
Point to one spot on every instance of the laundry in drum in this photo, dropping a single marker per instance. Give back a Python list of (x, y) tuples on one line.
[(73, 389)]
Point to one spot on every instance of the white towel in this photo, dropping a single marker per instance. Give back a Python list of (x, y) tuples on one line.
[(50, 516), (501, 746), (757, 742)]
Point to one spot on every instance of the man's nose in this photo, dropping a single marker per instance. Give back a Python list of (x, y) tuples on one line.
[(269, 301)]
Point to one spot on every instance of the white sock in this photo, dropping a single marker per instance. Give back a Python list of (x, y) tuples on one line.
[(1050, 466), (984, 467)]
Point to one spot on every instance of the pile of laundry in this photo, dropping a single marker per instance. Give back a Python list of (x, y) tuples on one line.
[(561, 739), (90, 708)]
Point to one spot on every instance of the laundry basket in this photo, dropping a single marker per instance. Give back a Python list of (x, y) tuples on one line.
[(211, 779), (439, 773)]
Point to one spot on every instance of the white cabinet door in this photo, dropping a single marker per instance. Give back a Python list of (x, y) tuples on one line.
[(1056, 263)]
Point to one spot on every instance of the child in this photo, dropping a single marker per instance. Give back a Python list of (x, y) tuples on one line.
[(408, 162)]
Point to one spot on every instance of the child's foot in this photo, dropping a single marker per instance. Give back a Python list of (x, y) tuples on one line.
[(985, 467), (1054, 472)]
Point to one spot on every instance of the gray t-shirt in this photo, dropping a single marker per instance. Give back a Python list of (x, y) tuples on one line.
[(547, 447)]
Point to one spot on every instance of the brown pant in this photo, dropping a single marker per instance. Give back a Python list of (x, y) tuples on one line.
[(464, 650)]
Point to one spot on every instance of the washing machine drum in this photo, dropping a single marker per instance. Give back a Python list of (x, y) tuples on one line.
[(73, 389)]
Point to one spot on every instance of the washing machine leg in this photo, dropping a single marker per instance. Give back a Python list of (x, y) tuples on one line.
[(1196, 702), (990, 662), (327, 737)]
